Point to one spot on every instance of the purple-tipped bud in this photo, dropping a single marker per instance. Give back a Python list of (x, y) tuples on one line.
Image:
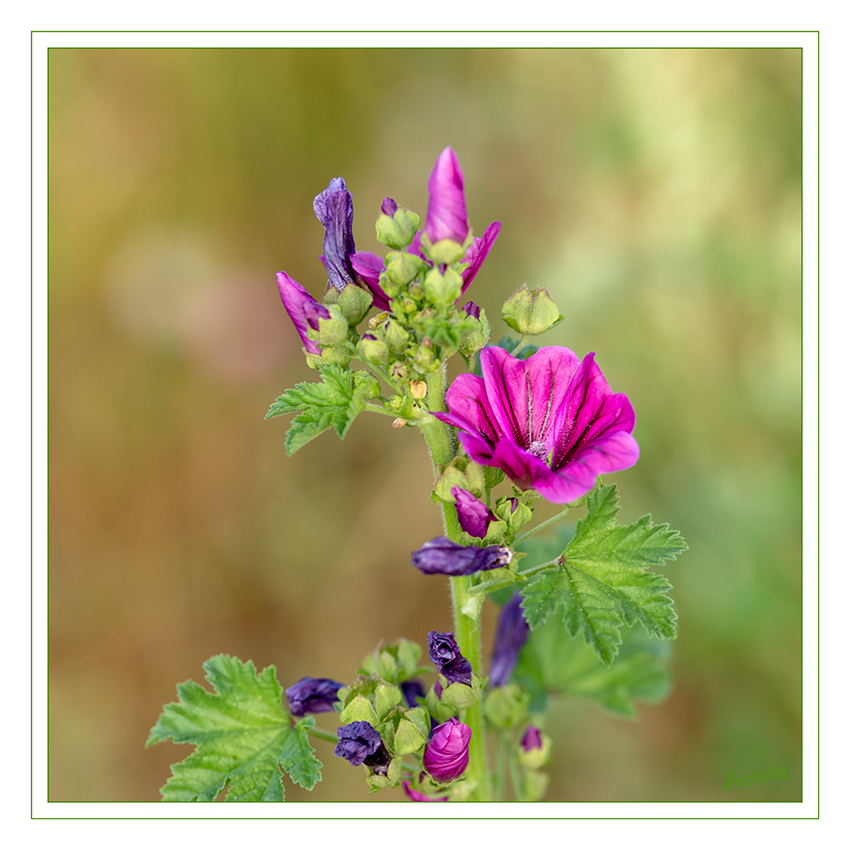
[(441, 555), (531, 740), (360, 743), (312, 695), (335, 210), (388, 207), (412, 690), (472, 310), (303, 309), (419, 797), (447, 205), (473, 514), (511, 633), (445, 654), (447, 753)]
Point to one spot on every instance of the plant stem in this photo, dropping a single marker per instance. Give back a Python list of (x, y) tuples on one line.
[(543, 525), (321, 734), (467, 633)]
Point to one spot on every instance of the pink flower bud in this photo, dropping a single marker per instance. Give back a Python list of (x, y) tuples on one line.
[(447, 753)]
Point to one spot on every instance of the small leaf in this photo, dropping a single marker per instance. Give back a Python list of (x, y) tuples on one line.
[(332, 403), (242, 735)]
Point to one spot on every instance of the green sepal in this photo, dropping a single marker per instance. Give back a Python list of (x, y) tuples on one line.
[(397, 231), (359, 708), (402, 268), (354, 303), (333, 330), (419, 718), (391, 780), (535, 784), (387, 697), (458, 696), (408, 738)]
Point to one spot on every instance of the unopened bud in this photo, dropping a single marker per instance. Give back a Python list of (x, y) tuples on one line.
[(418, 389), (396, 226), (443, 288), (399, 423), (531, 313)]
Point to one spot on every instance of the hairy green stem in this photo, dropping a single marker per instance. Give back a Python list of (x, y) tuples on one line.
[(322, 735), (467, 632)]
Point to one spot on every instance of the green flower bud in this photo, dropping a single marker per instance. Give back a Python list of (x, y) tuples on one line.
[(338, 355), (424, 360), (408, 739), (367, 384), (475, 341), (396, 226), (506, 707), (535, 785), (531, 313), (372, 349), (442, 288), (354, 302), (402, 267), (535, 750), (445, 251), (396, 336)]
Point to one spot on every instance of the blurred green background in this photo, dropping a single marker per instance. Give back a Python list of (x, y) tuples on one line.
[(655, 192)]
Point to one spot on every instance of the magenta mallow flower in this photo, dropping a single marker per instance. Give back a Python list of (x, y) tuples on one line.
[(419, 797), (312, 695), (446, 656), (447, 753), (360, 743), (511, 634), (448, 558), (303, 309), (550, 422), (474, 516)]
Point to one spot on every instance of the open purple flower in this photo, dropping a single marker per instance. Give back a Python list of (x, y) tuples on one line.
[(511, 633), (473, 514), (360, 743), (303, 309), (447, 558), (445, 653), (550, 422), (447, 753), (312, 695), (447, 204)]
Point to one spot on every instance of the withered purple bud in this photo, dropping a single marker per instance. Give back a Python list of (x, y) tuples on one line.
[(360, 743), (443, 556), (312, 695), (389, 206), (445, 654)]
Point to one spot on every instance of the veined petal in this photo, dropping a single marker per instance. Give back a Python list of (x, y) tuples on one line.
[(446, 217), (587, 411), (478, 252), (369, 267), (303, 309), (525, 394)]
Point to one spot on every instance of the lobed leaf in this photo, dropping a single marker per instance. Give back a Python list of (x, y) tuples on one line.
[(243, 735), (601, 583)]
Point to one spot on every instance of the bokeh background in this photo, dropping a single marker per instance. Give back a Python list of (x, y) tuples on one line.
[(655, 192)]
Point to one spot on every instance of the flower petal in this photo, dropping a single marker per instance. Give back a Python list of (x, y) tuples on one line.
[(469, 408), (478, 252), (301, 307), (369, 267), (446, 217), (525, 394)]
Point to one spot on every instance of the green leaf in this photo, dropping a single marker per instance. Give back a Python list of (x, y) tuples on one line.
[(334, 402), (242, 735), (601, 582), (551, 661)]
